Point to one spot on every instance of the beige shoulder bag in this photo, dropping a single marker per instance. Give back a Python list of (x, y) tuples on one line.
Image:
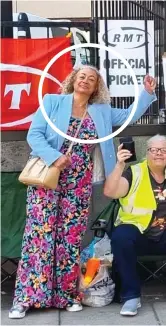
[(37, 173)]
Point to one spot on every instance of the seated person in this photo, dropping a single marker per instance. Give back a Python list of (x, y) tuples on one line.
[(140, 228)]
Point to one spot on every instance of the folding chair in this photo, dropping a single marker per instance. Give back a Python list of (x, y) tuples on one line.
[(153, 274), (106, 219), (6, 275)]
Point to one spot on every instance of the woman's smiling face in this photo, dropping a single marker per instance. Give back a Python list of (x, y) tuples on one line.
[(86, 81)]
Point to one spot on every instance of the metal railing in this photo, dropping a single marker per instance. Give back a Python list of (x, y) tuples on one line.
[(137, 10), (53, 29)]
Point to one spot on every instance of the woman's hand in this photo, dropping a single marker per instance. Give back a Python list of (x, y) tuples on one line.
[(63, 162), (116, 186), (149, 84), (122, 155)]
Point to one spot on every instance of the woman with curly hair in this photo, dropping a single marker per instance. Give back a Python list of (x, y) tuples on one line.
[(48, 271)]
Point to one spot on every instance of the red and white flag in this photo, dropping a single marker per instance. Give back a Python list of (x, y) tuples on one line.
[(23, 61)]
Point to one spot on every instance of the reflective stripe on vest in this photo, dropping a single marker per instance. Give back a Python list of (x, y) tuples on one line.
[(136, 211)]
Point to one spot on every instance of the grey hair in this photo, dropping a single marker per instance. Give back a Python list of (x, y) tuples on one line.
[(101, 95), (155, 138)]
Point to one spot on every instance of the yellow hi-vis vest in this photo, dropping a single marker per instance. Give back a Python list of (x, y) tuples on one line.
[(137, 207)]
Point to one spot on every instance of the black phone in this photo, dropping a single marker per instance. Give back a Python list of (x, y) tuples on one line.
[(128, 143)]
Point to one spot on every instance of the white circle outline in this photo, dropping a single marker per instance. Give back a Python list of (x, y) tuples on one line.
[(78, 140)]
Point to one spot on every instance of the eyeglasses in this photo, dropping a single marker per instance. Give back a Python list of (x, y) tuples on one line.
[(155, 150)]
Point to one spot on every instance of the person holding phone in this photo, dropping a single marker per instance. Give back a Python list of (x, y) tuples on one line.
[(128, 144), (140, 227)]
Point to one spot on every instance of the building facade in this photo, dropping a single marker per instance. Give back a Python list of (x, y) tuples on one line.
[(55, 9)]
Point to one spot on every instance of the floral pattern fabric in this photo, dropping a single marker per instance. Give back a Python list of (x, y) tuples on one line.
[(48, 271)]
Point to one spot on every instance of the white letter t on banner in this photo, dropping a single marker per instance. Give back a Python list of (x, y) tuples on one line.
[(16, 96)]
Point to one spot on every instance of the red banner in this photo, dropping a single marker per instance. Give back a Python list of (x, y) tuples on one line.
[(23, 61)]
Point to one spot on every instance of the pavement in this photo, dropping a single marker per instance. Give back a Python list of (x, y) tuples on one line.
[(153, 311)]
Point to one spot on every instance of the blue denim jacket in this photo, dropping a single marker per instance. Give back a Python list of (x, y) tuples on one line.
[(46, 143)]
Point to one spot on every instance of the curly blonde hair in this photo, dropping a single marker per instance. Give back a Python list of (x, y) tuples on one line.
[(101, 95)]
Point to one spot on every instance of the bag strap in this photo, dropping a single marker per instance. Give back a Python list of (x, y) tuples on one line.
[(76, 134)]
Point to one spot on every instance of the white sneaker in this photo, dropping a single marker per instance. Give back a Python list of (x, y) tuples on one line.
[(17, 312), (74, 307), (130, 307)]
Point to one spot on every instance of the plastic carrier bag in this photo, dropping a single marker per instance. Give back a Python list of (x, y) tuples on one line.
[(100, 292)]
